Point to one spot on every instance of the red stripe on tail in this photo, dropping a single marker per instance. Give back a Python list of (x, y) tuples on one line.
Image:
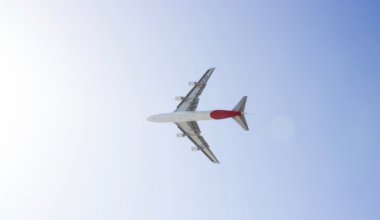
[(222, 114)]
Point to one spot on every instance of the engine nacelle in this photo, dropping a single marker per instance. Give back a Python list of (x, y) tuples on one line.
[(181, 135), (193, 83), (195, 148), (179, 98)]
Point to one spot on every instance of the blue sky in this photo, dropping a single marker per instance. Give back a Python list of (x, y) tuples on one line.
[(79, 78)]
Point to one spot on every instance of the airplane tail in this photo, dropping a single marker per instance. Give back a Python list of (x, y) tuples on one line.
[(241, 119)]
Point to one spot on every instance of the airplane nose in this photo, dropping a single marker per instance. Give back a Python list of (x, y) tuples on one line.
[(150, 118)]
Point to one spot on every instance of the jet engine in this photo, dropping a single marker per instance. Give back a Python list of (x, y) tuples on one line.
[(179, 98), (195, 148), (193, 83), (181, 134)]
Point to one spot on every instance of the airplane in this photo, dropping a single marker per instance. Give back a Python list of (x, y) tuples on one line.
[(185, 116)]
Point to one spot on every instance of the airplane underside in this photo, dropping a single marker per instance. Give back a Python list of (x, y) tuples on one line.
[(185, 116), (176, 117)]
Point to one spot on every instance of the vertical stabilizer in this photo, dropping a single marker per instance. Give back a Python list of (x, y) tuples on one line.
[(240, 108)]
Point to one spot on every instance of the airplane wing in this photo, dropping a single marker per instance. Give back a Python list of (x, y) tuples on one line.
[(190, 102), (192, 131)]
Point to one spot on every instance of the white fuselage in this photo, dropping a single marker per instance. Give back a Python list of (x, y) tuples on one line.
[(176, 117)]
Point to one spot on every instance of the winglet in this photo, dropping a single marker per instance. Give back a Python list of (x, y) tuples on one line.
[(210, 155), (241, 119)]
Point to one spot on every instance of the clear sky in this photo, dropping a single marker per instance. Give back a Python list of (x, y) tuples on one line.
[(79, 78)]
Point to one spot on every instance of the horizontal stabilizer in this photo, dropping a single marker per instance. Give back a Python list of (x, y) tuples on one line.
[(240, 108)]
